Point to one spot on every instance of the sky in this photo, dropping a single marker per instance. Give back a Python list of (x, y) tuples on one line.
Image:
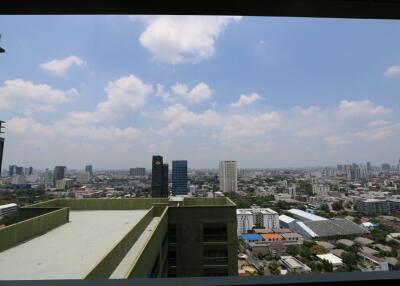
[(267, 92)]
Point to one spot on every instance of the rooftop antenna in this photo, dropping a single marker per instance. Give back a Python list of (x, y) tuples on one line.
[(1, 49)]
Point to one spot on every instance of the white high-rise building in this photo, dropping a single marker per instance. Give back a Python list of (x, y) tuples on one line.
[(227, 176), (320, 189), (256, 217)]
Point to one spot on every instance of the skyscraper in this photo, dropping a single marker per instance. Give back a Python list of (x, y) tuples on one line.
[(227, 176), (179, 177), (368, 166), (157, 176), (11, 170), (59, 173), (164, 189), (19, 170), (89, 169), (137, 172)]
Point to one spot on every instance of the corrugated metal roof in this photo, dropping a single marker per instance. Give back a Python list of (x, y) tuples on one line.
[(286, 219), (251, 236), (306, 215)]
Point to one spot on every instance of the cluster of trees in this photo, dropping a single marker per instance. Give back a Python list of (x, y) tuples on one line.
[(273, 267)]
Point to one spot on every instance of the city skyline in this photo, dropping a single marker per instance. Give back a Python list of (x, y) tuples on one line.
[(110, 95)]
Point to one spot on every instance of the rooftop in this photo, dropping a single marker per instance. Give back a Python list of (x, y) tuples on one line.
[(331, 258), (306, 216), (71, 250), (335, 227)]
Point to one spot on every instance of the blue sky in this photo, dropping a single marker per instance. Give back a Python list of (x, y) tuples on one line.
[(267, 92)]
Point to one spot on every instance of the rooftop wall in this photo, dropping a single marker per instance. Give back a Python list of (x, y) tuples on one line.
[(103, 204), (27, 229), (222, 201), (106, 266), (142, 267)]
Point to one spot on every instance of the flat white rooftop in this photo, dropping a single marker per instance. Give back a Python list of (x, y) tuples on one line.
[(69, 251)]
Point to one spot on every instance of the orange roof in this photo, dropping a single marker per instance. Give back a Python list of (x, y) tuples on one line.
[(271, 235)]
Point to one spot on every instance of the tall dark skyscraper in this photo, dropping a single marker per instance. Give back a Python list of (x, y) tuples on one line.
[(179, 177), (89, 169), (1, 140), (11, 170), (156, 176), (19, 170), (59, 173), (165, 192), (368, 166)]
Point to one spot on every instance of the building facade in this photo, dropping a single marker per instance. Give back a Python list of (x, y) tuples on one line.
[(137, 172), (59, 173), (89, 169), (228, 176), (192, 237), (159, 178), (179, 177), (255, 217)]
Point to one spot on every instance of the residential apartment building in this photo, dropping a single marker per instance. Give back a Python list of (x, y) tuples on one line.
[(247, 219), (228, 176)]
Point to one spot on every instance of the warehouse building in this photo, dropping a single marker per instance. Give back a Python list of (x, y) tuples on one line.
[(121, 238)]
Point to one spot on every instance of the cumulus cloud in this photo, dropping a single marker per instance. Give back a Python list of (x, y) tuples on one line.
[(362, 107), (242, 126), (245, 100), (392, 71), (379, 130), (123, 95), (308, 111), (60, 67), (29, 127), (197, 94), (178, 116), (27, 96), (336, 141), (178, 39)]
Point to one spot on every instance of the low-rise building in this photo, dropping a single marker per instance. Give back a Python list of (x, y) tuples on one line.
[(372, 263), (292, 264), (331, 258), (345, 242), (363, 241), (8, 209)]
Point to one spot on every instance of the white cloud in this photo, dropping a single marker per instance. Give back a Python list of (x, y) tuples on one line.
[(336, 141), (165, 95), (198, 93), (178, 116), (177, 39), (392, 71), (379, 130), (123, 95), (362, 107), (246, 126), (245, 100), (28, 127), (309, 111), (378, 123), (23, 95), (59, 67)]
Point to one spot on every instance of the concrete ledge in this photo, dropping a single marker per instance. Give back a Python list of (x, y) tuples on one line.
[(19, 232), (106, 266)]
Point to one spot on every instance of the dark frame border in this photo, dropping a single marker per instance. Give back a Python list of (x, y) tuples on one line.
[(368, 9)]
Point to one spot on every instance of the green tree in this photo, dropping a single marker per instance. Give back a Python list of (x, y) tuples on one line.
[(274, 268), (317, 249), (337, 206), (327, 266), (324, 208)]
